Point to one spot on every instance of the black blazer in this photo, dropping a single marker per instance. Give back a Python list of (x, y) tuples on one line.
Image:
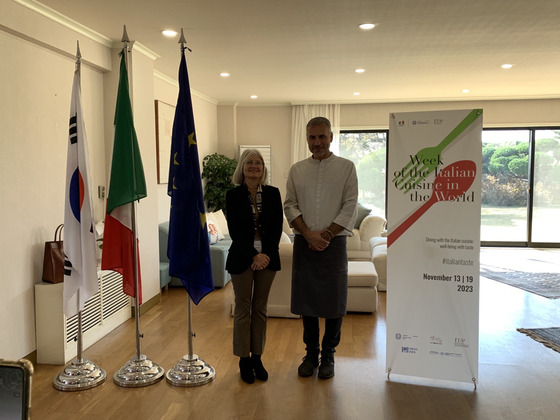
[(239, 215)]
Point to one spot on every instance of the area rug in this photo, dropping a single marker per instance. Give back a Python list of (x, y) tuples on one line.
[(550, 337), (543, 284)]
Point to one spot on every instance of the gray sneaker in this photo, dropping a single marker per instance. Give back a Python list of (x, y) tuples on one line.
[(308, 366), (326, 369)]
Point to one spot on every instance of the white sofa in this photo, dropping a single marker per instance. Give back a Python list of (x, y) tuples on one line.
[(378, 246), (358, 245)]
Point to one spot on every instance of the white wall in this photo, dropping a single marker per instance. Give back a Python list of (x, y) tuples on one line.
[(35, 91), (269, 125)]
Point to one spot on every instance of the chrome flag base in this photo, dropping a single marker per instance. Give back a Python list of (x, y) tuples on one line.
[(138, 372), (78, 376), (190, 371)]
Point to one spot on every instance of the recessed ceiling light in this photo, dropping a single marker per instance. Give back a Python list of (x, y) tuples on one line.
[(507, 66), (224, 74), (465, 90), (169, 33), (367, 26), (254, 96), (356, 94), (360, 70)]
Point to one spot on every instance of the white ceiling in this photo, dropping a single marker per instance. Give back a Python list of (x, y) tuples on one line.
[(305, 51)]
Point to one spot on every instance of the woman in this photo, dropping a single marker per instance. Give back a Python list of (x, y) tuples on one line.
[(254, 216)]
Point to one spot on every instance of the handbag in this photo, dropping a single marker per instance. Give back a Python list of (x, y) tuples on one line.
[(53, 260)]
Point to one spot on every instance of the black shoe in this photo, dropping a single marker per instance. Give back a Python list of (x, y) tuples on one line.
[(308, 366), (326, 369), (260, 372), (246, 370)]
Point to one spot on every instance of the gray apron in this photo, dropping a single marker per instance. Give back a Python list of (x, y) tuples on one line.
[(320, 279)]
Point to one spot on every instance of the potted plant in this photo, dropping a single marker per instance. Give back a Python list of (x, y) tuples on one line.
[(218, 171)]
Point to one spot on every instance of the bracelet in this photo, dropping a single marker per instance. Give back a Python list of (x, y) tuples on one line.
[(332, 235)]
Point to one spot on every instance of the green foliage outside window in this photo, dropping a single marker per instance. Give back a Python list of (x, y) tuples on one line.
[(368, 152), (505, 172)]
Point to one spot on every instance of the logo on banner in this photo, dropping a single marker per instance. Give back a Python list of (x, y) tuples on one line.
[(461, 342), (400, 123), (436, 340), (400, 336), (449, 354), (409, 350)]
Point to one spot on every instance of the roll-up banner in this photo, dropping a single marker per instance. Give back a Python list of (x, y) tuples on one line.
[(433, 209)]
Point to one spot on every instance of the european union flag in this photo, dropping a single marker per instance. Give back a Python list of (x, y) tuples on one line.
[(187, 247)]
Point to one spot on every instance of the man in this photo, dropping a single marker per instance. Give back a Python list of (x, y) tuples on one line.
[(321, 206)]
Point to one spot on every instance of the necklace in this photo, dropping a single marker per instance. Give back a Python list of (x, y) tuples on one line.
[(256, 206)]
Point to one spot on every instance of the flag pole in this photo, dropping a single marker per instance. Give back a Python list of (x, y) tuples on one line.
[(139, 370), (190, 370), (80, 374), (125, 41)]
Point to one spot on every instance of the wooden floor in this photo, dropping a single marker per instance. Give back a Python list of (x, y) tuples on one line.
[(518, 377)]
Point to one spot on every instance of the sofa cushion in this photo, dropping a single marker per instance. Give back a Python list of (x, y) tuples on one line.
[(362, 213), (361, 274), (354, 242), (219, 219), (213, 225), (379, 258), (212, 233)]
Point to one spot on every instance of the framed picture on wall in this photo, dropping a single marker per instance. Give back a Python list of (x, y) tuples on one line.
[(165, 114)]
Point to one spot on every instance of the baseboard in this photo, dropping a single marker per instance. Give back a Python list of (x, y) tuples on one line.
[(32, 357), (146, 306)]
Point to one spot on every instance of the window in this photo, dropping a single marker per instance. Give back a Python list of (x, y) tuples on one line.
[(520, 193), (368, 151)]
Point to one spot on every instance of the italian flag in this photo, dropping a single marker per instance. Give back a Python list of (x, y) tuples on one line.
[(126, 185)]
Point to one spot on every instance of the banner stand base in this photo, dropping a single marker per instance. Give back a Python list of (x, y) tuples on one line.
[(138, 372), (473, 379), (190, 371)]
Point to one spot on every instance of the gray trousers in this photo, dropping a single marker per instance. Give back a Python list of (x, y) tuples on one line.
[(249, 320)]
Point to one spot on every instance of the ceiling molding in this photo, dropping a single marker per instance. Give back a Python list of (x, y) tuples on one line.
[(66, 22), (142, 49)]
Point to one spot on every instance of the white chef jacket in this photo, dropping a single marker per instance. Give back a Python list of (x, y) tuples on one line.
[(323, 191)]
